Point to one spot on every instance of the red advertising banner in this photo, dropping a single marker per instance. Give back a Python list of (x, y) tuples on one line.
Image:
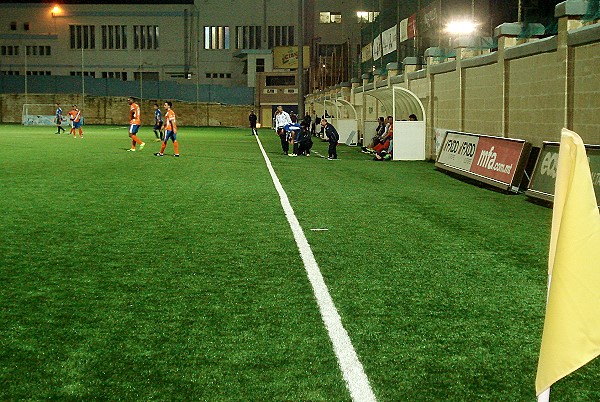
[(411, 29), (494, 160), (497, 159)]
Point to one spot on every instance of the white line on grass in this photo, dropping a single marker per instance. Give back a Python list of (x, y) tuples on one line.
[(352, 370)]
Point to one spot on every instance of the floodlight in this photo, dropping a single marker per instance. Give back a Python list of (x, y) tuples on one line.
[(461, 27)]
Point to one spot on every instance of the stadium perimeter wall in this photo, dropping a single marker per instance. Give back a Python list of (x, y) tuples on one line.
[(525, 90), (115, 110)]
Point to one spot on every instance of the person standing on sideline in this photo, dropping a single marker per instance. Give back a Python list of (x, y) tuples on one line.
[(135, 121), (314, 122), (158, 122), (252, 119), (170, 131), (77, 123), (282, 118), (332, 136), (59, 119)]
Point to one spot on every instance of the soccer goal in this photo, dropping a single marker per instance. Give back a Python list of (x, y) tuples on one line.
[(40, 114)]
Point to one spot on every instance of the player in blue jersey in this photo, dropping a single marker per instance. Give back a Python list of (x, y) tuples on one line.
[(293, 130), (158, 122), (59, 119)]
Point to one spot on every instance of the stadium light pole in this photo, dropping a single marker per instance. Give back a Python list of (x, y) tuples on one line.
[(26, 100), (82, 79), (300, 59), (141, 79)]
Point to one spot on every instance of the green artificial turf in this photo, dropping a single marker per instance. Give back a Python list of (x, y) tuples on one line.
[(130, 277)]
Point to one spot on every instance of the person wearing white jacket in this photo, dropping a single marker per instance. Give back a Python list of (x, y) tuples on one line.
[(282, 118)]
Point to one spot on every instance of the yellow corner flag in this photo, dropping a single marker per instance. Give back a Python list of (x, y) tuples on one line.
[(571, 335)]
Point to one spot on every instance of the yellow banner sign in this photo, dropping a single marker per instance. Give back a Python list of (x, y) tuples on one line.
[(287, 57)]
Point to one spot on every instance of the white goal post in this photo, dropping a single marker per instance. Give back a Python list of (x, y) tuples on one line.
[(40, 114)]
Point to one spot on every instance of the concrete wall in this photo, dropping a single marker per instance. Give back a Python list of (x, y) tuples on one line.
[(115, 110), (446, 101), (483, 100), (536, 98), (586, 102)]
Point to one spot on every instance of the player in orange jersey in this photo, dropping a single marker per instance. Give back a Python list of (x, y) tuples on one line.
[(77, 122), (72, 113), (134, 124), (170, 130)]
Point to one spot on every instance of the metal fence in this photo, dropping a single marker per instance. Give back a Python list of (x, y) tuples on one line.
[(56, 84)]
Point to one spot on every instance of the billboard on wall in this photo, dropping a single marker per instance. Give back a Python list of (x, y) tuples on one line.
[(493, 160), (408, 28), (543, 177), (287, 57), (367, 52), (388, 40), (377, 48)]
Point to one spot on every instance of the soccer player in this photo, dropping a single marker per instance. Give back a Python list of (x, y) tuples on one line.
[(59, 119), (170, 130), (293, 131), (72, 113), (77, 123), (135, 122), (158, 122)]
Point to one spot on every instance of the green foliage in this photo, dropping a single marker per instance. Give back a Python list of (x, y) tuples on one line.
[(131, 277)]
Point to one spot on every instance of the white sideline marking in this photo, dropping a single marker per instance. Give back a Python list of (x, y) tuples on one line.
[(352, 370)]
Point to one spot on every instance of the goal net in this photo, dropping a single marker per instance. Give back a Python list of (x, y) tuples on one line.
[(38, 114)]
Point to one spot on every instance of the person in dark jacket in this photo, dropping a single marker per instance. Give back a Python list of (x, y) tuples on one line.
[(252, 119), (332, 137), (305, 143)]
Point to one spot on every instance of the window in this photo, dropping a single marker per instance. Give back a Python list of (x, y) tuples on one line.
[(26, 26), (248, 37), (260, 65), (9, 72), (82, 36), (366, 16), (216, 38), (330, 17), (38, 50), (85, 74), (119, 75), (13, 26), (145, 36), (9, 50), (38, 73), (280, 80), (114, 37), (147, 76), (281, 36), (218, 75)]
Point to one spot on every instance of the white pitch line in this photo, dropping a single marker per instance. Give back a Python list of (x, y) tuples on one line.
[(352, 370)]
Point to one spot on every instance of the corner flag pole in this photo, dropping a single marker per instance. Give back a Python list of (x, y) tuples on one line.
[(544, 396)]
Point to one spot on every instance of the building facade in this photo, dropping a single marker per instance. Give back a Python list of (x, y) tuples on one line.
[(174, 40)]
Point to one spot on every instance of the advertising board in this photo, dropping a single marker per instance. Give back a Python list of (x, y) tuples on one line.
[(287, 57), (493, 160), (544, 174)]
